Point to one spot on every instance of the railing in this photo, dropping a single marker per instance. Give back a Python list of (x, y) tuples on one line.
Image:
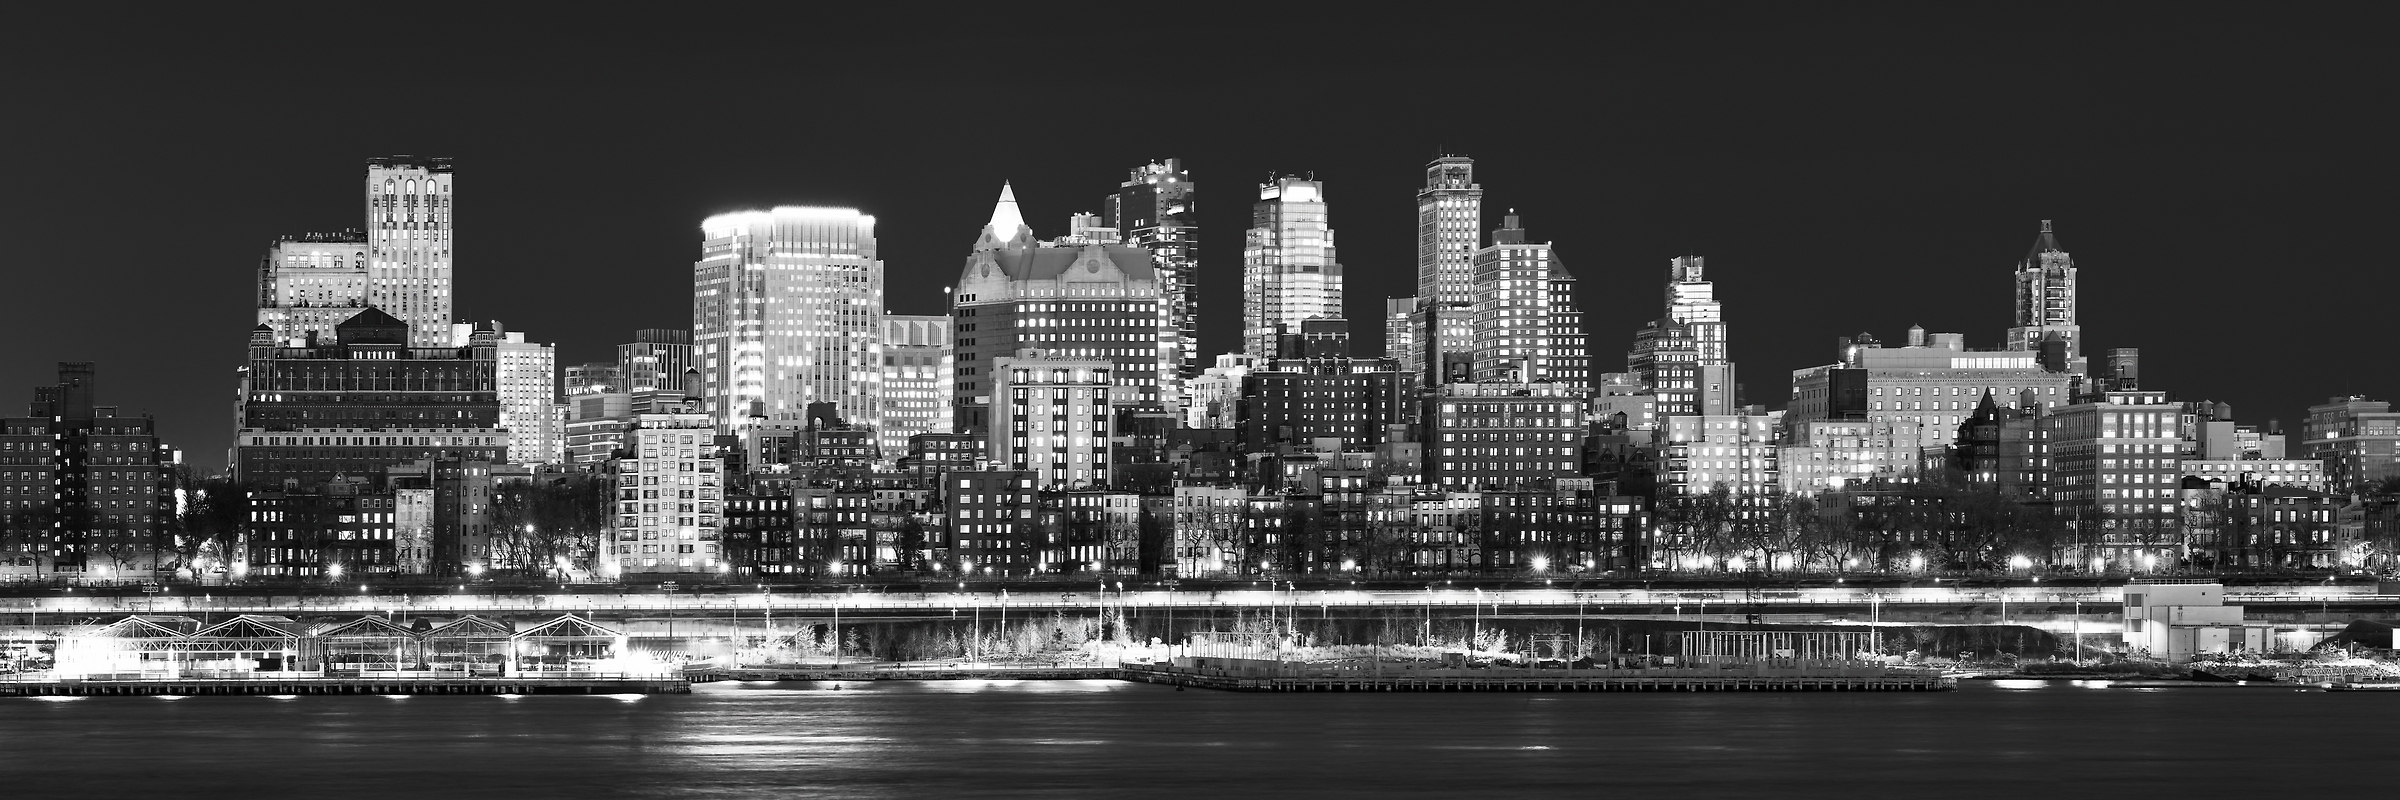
[(1145, 599)]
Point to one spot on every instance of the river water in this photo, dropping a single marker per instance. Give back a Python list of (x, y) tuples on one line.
[(1102, 738)]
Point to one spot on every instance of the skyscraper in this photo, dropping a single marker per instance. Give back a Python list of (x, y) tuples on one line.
[(2046, 300), (311, 282), (916, 380), (787, 310), (1524, 321), (1069, 298), (1683, 357), (1157, 209), (409, 254), (1289, 271), (1449, 226)]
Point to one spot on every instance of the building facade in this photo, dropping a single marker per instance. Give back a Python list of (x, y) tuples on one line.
[(787, 310), (1157, 209), (1507, 436), (409, 243), (2114, 468), (1449, 226), (82, 489), (2045, 301), (1525, 326), (1289, 269), (669, 499), (916, 380), (310, 282), (2358, 439), (354, 407), (1053, 417)]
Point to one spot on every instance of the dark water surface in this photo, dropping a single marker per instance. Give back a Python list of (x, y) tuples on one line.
[(1082, 739)]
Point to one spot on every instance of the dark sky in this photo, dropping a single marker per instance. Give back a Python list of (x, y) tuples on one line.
[(2222, 179)]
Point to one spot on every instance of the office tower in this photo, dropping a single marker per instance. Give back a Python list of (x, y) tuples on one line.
[(668, 498), (312, 281), (1507, 436), (83, 489), (655, 359), (1449, 226), (1157, 209), (2358, 439), (1289, 271), (1933, 385), (1065, 298), (916, 380), (787, 310), (1399, 334), (352, 408), (1052, 415), (409, 252), (1526, 327), (1683, 357), (2046, 300)]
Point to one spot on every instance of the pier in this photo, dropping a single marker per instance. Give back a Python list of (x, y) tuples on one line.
[(1658, 680), (343, 686)]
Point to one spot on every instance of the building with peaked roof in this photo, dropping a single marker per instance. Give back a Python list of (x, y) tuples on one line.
[(1066, 298), (2045, 301)]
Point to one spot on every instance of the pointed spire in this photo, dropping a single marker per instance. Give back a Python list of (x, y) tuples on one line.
[(1007, 222), (2044, 243)]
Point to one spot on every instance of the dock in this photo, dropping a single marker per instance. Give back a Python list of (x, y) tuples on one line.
[(343, 686), (1546, 681)]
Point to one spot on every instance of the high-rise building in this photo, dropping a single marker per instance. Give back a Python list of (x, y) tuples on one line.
[(81, 488), (1399, 332), (787, 310), (311, 282), (2114, 469), (1289, 271), (409, 250), (1449, 226), (2046, 300), (655, 359), (916, 380), (669, 498), (1056, 420), (2358, 439), (528, 381), (1157, 209), (354, 407), (1525, 324), (1684, 357), (1066, 298)]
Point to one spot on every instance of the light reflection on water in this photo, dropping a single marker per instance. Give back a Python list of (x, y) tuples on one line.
[(1083, 738)]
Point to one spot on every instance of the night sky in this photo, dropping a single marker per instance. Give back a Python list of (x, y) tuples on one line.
[(2223, 180)]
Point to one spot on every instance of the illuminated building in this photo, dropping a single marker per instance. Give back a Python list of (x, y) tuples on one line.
[(370, 400), (1056, 420), (1217, 393), (311, 282), (1934, 383), (528, 382), (1156, 209), (81, 488), (1067, 298), (2114, 468), (1506, 436), (787, 310), (2358, 439), (409, 248), (655, 359), (1289, 271), (1449, 226), (1399, 335), (1525, 326), (916, 380), (2045, 301), (1827, 455), (669, 499), (1683, 357)]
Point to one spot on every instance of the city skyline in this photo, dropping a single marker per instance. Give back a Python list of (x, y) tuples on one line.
[(1869, 207)]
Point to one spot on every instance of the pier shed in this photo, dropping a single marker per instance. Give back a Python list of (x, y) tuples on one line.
[(241, 647), (470, 645), (565, 646), (363, 646)]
